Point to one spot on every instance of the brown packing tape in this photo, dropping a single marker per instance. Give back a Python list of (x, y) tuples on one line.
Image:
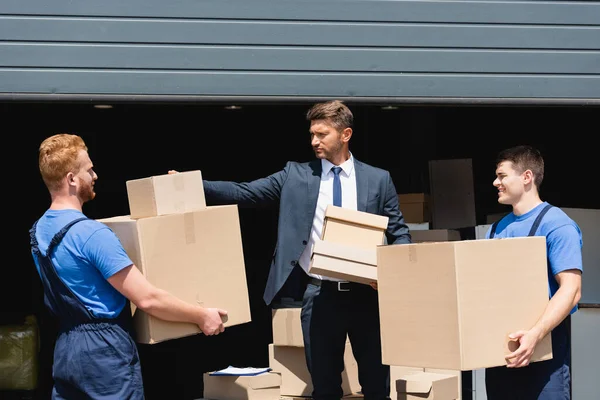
[(178, 182), (289, 327), (189, 228), (412, 254)]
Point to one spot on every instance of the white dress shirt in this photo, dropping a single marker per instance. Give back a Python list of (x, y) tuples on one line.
[(348, 182)]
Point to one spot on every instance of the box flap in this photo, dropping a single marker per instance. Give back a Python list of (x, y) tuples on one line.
[(357, 217), (262, 381), (345, 252)]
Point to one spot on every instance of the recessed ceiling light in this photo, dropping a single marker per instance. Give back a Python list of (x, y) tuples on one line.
[(103, 106), (232, 107), (388, 108)]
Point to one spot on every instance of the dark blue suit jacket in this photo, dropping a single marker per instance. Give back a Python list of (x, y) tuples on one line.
[(296, 188)]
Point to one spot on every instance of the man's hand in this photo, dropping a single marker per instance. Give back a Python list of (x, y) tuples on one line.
[(527, 341), (172, 171), (211, 321)]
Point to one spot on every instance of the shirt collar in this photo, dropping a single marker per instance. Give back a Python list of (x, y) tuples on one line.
[(347, 166)]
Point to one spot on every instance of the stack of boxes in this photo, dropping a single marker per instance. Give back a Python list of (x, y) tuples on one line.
[(184, 247), (264, 386), (287, 358)]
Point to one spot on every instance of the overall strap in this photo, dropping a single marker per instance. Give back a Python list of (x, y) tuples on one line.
[(538, 220), (61, 234), (494, 226)]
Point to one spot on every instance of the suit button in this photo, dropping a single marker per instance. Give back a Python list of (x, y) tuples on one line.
[(304, 242), (293, 263)]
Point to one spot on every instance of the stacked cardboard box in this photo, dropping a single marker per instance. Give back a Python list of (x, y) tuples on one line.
[(265, 386), (347, 249), (287, 358), (184, 247)]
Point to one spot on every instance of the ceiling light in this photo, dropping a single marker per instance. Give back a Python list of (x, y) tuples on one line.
[(232, 107), (103, 106), (388, 108)]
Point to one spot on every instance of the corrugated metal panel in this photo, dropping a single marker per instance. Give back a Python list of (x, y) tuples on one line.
[(362, 49)]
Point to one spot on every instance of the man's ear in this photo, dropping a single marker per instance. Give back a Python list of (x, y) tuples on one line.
[(71, 178), (527, 176), (346, 134)]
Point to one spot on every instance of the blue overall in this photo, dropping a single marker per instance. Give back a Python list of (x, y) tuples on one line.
[(93, 358), (542, 380)]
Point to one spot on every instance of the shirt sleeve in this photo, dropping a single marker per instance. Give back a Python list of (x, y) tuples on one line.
[(564, 249), (106, 253)]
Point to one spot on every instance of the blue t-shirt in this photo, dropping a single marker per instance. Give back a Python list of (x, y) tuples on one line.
[(563, 239), (89, 254)]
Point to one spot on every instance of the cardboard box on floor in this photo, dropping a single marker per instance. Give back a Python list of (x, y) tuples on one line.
[(287, 327), (265, 386), (427, 385), (414, 207), (290, 362), (196, 256), (165, 194), (451, 305), (397, 372), (353, 228)]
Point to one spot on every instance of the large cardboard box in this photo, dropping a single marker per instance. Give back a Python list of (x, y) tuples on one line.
[(264, 386), (287, 327), (414, 207), (398, 372), (451, 305), (427, 385), (196, 256), (354, 228), (290, 362), (350, 263), (165, 194)]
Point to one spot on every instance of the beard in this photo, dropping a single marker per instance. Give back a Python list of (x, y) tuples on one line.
[(86, 192)]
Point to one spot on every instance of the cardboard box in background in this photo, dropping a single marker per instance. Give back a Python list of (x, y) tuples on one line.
[(451, 305), (435, 235), (196, 256), (290, 362), (354, 228), (427, 385), (457, 374), (165, 194), (349, 263), (414, 207), (452, 194), (258, 387), (287, 327)]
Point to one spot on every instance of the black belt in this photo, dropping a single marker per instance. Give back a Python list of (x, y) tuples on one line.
[(339, 286)]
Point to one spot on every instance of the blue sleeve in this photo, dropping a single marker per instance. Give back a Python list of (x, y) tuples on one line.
[(564, 249), (105, 252)]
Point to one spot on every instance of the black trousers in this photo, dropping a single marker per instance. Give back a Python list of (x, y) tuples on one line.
[(330, 313)]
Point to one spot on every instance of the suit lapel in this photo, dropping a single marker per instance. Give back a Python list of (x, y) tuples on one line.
[(362, 186), (313, 178)]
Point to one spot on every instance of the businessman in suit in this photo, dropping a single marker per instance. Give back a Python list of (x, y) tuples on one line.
[(331, 310)]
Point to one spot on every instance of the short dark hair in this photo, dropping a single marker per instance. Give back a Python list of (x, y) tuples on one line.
[(524, 158), (335, 111)]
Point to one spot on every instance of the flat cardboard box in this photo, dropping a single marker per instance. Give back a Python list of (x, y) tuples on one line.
[(451, 305), (349, 263), (414, 207), (427, 385), (287, 327), (353, 228), (196, 256), (458, 375), (435, 235), (290, 362), (397, 372), (165, 194), (265, 386)]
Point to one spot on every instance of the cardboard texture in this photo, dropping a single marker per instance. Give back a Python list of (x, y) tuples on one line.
[(353, 228), (451, 305), (350, 263), (397, 372), (290, 362), (197, 257), (414, 207), (166, 194), (287, 328), (435, 235), (259, 387), (457, 374), (427, 385)]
